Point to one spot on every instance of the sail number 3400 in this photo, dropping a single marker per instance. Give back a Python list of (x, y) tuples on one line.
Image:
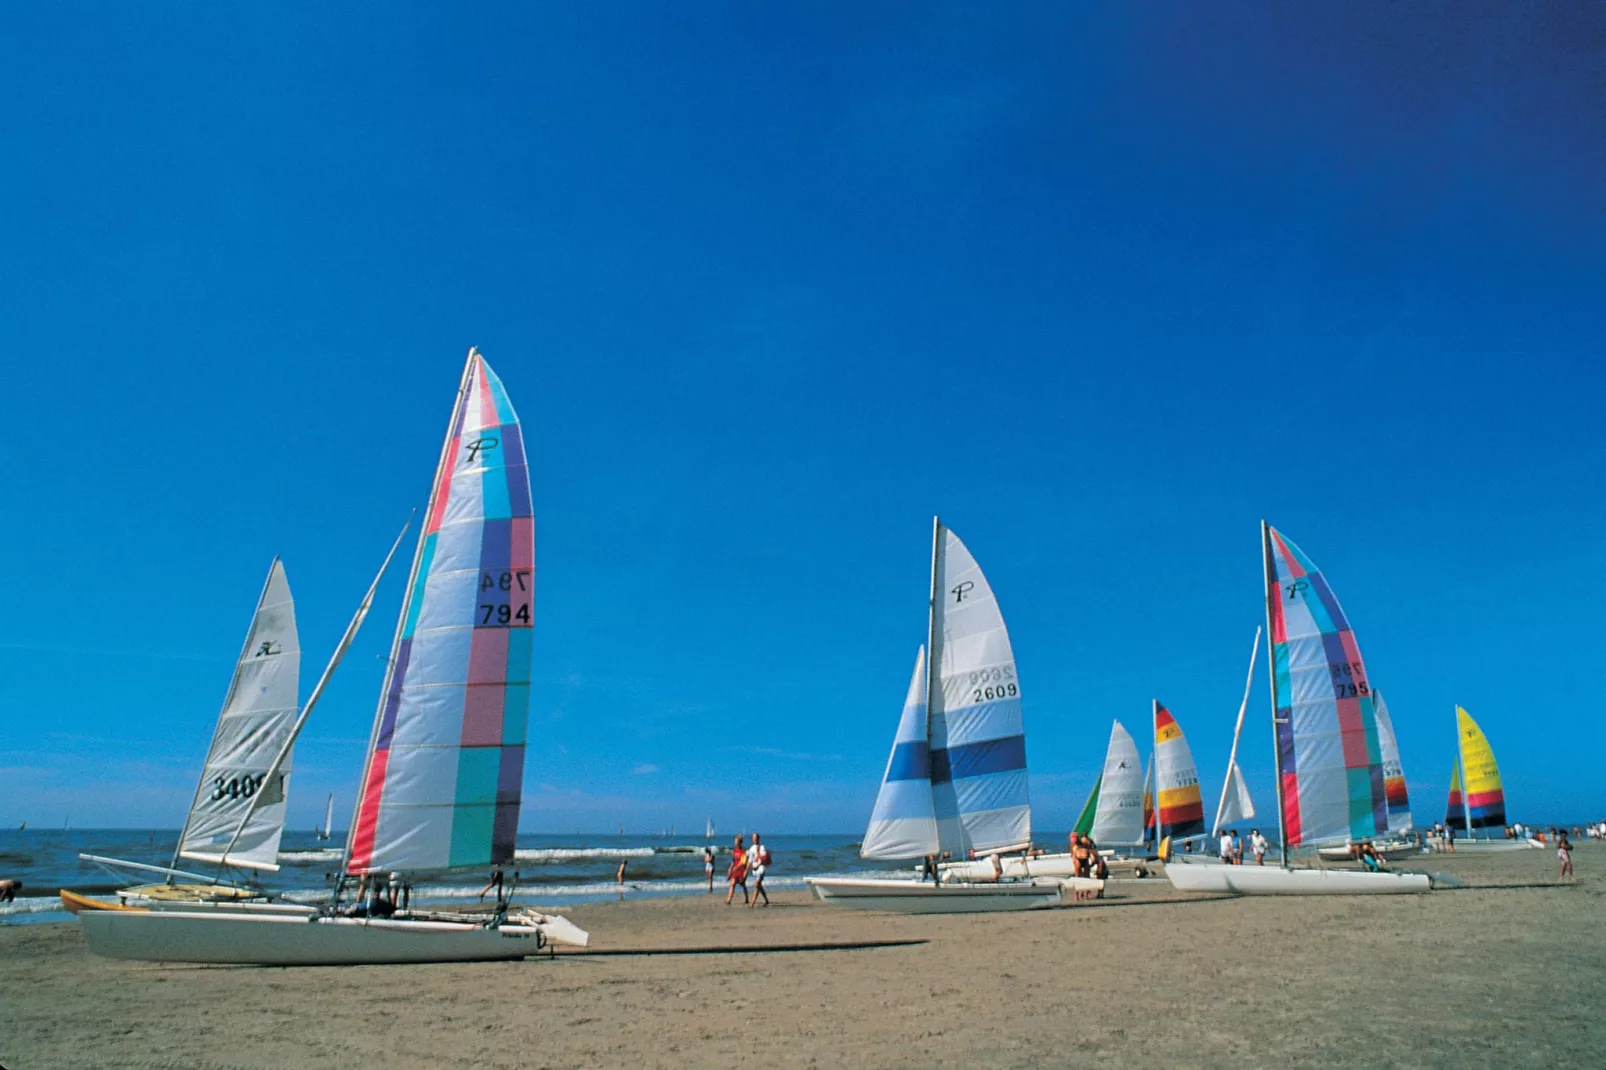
[(493, 611)]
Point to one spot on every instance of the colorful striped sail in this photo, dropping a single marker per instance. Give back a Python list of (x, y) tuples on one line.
[(1455, 810), (256, 720), (442, 783), (1118, 817), (903, 824), (1181, 808), (1328, 753), (1485, 798), (978, 742), (1399, 799)]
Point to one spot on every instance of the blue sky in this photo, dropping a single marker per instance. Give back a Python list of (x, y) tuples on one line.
[(769, 288)]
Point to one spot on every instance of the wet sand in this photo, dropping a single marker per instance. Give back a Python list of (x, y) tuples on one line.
[(1509, 971)]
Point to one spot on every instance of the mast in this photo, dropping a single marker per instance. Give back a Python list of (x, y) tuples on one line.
[(401, 617), (1154, 762), (227, 698), (1271, 676), (933, 655), (1232, 759), (317, 693)]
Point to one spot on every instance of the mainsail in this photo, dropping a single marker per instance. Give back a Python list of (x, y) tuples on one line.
[(1118, 816), (903, 824), (1485, 797), (1330, 766), (1180, 812), (442, 782), (1399, 800), (1090, 809), (256, 719), (1236, 805), (978, 743)]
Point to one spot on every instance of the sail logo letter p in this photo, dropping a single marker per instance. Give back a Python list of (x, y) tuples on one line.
[(961, 590), (484, 442), (1297, 588)]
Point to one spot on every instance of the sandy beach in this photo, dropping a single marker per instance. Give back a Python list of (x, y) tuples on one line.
[(1508, 971)]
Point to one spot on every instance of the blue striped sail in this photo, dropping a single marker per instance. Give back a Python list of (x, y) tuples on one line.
[(978, 742), (903, 824)]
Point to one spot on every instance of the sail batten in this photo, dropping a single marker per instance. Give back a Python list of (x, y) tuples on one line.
[(1329, 757), (443, 780), (256, 719)]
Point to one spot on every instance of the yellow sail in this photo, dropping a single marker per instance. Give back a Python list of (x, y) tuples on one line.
[(1484, 796)]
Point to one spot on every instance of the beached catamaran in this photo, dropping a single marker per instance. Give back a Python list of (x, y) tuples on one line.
[(442, 781), (1177, 805), (1483, 803), (236, 817), (1330, 784), (956, 778)]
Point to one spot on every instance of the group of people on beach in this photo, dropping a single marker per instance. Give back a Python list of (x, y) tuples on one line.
[(747, 863), (1230, 847)]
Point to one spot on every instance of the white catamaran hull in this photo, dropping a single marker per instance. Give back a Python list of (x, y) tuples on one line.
[(1274, 880), (923, 897), (1489, 846), (1393, 852), (278, 940), (1017, 868)]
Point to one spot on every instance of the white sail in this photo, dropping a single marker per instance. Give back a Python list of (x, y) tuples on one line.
[(978, 742), (328, 818), (256, 720), (903, 824), (1236, 806), (1118, 820), (1394, 791)]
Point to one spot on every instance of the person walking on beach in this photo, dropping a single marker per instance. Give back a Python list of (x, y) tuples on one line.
[(1224, 847), (1564, 852), (708, 866), (1257, 843), (758, 860), (737, 873), (928, 868)]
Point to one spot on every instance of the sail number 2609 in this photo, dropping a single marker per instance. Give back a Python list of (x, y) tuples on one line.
[(514, 612)]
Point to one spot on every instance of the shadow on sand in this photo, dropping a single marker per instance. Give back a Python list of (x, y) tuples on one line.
[(761, 949)]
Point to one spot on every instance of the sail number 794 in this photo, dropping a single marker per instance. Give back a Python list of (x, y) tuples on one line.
[(512, 608)]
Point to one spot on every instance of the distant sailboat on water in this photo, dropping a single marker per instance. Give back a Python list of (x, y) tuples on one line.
[(328, 817)]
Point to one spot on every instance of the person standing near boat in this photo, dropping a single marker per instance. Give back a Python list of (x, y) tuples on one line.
[(1257, 843), (737, 873), (1224, 847)]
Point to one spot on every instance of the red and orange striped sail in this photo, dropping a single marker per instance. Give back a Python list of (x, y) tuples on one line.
[(1180, 812)]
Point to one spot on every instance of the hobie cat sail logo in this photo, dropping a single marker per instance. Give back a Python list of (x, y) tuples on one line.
[(1297, 588), (961, 590), (266, 649), (484, 443)]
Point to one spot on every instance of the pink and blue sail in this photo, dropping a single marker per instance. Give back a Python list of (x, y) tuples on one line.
[(1330, 759), (443, 780)]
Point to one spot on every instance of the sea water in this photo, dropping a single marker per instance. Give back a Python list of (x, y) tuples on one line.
[(551, 870)]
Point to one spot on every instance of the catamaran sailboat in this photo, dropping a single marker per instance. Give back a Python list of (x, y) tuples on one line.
[(1397, 846), (253, 725), (1330, 784), (1483, 803), (956, 779), (442, 781)]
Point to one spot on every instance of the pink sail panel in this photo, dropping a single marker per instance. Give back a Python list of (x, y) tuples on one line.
[(443, 780)]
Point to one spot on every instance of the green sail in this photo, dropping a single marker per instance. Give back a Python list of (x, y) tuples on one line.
[(1084, 824)]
